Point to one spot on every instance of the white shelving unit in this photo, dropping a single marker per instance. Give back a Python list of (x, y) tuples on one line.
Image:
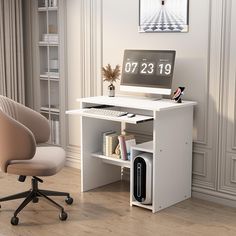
[(50, 65)]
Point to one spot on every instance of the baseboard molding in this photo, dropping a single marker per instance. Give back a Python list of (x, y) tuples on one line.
[(213, 196), (73, 156), (71, 162)]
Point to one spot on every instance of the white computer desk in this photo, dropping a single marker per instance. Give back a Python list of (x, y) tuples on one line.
[(171, 146)]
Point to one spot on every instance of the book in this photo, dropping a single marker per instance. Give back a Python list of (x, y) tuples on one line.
[(111, 143), (122, 142), (129, 143), (104, 140), (51, 38)]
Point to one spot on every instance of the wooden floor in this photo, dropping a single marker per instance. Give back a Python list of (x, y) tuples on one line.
[(106, 211)]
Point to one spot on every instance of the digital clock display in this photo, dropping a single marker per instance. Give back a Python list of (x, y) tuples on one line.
[(148, 67)]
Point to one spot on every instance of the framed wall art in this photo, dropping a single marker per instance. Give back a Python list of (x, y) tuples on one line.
[(163, 15)]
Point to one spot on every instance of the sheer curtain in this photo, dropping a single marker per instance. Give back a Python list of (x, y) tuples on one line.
[(12, 82)]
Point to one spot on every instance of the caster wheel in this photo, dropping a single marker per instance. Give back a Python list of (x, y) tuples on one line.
[(63, 216), (14, 220), (69, 200), (35, 200)]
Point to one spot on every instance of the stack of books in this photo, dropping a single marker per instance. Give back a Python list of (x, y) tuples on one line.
[(53, 74), (50, 38), (110, 141), (117, 146)]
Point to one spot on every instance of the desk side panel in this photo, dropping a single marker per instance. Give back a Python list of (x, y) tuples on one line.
[(172, 157), (94, 172)]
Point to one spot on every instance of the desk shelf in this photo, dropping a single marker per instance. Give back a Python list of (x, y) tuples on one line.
[(135, 203), (111, 160)]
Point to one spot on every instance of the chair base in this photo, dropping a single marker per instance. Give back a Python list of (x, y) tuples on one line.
[(33, 195)]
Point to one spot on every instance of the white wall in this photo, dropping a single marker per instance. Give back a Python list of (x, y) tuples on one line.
[(83, 64), (74, 78)]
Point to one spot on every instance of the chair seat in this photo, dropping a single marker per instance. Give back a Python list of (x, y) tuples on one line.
[(47, 161)]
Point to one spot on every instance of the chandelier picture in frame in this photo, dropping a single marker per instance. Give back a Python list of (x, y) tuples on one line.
[(163, 16)]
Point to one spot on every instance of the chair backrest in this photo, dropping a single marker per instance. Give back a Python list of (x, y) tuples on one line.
[(20, 129), (16, 141), (33, 120)]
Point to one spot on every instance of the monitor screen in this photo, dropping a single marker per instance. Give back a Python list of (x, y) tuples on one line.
[(148, 71)]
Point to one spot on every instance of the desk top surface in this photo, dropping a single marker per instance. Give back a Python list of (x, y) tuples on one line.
[(138, 103)]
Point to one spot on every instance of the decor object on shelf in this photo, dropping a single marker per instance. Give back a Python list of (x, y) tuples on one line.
[(50, 38), (52, 3), (44, 4), (111, 75), (54, 65), (178, 94), (163, 16)]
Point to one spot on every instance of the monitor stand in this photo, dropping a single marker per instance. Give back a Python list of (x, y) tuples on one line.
[(151, 97)]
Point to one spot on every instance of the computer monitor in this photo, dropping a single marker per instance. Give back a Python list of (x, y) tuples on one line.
[(148, 71)]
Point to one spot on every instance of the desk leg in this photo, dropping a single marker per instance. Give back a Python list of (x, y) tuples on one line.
[(94, 172), (172, 163)]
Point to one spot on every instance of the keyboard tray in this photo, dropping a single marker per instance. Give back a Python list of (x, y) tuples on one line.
[(133, 120)]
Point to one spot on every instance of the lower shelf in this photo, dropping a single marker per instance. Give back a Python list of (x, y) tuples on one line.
[(135, 203), (111, 160)]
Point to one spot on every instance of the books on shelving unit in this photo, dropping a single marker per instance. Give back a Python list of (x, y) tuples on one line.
[(50, 38), (110, 142), (125, 142), (52, 74), (117, 146), (47, 3), (104, 140), (129, 143)]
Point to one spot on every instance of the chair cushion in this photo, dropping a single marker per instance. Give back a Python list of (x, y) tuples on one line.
[(47, 161)]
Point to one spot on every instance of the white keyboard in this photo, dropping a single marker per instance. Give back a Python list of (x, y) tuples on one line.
[(105, 112)]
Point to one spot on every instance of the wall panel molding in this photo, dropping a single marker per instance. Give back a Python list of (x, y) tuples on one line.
[(91, 46), (210, 141), (233, 170), (199, 160), (234, 124), (89, 55), (227, 155), (205, 141)]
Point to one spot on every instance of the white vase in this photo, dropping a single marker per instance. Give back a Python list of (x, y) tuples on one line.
[(111, 90)]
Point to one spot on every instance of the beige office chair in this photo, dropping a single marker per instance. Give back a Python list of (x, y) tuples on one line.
[(21, 129)]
